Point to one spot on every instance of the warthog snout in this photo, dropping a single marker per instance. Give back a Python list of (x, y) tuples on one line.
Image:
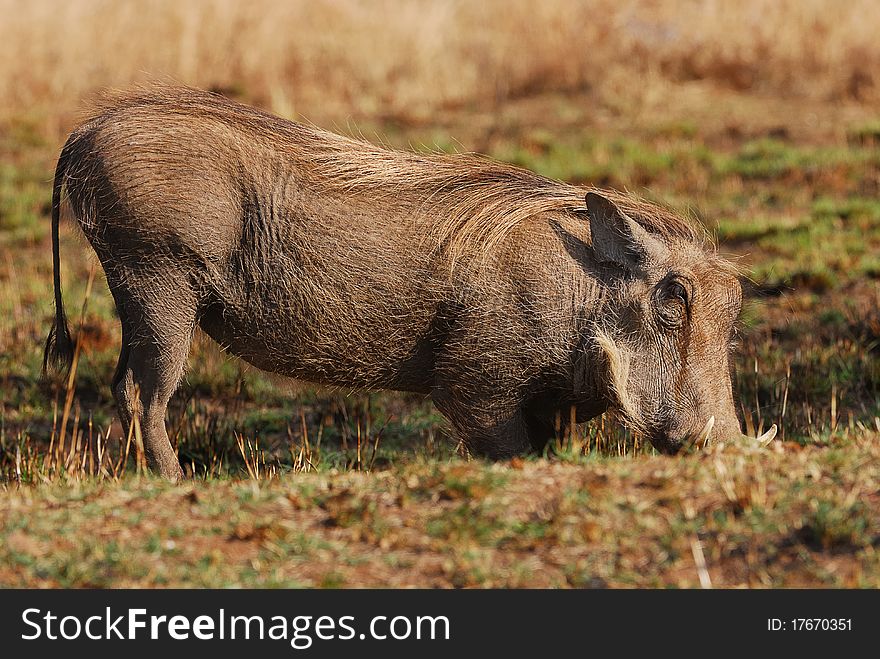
[(708, 435)]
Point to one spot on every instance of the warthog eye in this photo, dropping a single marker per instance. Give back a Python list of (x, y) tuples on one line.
[(671, 301)]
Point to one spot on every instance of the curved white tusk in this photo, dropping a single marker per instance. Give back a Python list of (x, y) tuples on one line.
[(703, 437), (767, 437)]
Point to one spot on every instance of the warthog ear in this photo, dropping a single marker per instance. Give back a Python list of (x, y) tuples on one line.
[(619, 239)]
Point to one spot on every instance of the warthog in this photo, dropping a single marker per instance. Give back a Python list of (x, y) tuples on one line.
[(505, 296)]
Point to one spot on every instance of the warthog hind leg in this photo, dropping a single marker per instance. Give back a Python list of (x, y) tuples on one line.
[(156, 337)]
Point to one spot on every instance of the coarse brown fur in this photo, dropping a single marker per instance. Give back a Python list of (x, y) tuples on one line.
[(335, 261)]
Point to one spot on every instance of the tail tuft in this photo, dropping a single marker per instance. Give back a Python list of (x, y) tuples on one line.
[(58, 355)]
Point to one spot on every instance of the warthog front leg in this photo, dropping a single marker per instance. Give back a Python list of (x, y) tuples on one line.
[(502, 440), (488, 428)]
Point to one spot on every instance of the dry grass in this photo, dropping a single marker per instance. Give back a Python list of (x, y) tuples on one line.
[(407, 59), (789, 517)]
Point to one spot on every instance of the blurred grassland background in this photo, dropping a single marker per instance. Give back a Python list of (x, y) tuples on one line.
[(760, 119), (413, 58)]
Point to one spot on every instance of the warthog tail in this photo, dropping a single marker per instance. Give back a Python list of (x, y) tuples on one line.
[(58, 354)]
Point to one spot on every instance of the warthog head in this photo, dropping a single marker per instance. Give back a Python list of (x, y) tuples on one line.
[(667, 332)]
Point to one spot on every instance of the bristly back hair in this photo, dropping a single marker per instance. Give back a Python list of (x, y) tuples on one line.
[(475, 201)]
